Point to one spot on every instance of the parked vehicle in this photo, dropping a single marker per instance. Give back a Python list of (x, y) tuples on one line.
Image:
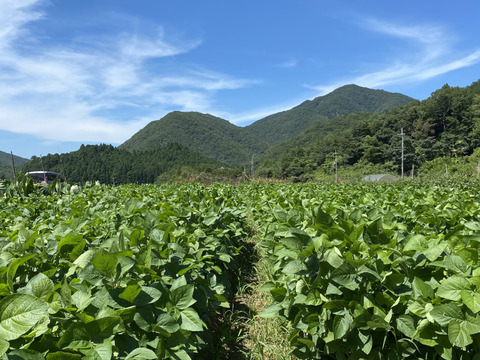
[(43, 177)]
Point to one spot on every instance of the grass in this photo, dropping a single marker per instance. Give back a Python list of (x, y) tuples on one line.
[(267, 339), (238, 333)]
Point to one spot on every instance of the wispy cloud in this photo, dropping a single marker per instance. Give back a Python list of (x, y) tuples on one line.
[(289, 63), (431, 56), (69, 92)]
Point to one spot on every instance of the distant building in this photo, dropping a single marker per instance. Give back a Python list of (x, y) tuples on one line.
[(380, 178)]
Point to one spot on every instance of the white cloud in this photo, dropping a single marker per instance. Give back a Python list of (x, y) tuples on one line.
[(431, 57), (87, 90), (289, 63)]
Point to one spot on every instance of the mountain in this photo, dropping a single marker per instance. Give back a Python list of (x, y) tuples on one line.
[(203, 133), (6, 170), (223, 141), (317, 132), (345, 100)]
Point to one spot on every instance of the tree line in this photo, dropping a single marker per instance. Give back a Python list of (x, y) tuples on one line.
[(108, 164), (447, 124)]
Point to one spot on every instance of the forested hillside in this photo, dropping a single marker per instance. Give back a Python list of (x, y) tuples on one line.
[(6, 166), (108, 164), (209, 135), (447, 124), (348, 99)]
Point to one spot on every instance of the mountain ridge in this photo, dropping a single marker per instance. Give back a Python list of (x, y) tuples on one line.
[(226, 142), (342, 101)]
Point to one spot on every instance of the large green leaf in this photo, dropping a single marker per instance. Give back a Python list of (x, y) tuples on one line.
[(346, 276), (458, 335), (452, 287), (471, 300), (421, 289), (342, 325), (106, 263), (445, 313), (294, 267), (416, 242), (40, 286), (19, 313), (168, 323), (182, 297), (190, 320), (406, 325)]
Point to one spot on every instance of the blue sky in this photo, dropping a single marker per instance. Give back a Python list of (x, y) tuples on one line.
[(91, 71)]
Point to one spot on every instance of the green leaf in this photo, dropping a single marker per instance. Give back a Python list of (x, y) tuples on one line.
[(457, 334), (471, 300), (141, 354), (78, 250), (294, 267), (452, 287), (25, 354), (342, 325), (168, 323), (12, 269), (473, 225), (406, 325), (377, 322), (416, 242), (148, 295), (190, 320), (63, 355), (421, 289), (433, 252), (74, 337), (81, 300), (182, 297), (346, 276), (4, 345), (130, 293), (40, 286), (452, 262), (445, 313), (68, 242), (271, 311), (19, 313), (323, 218), (105, 263)]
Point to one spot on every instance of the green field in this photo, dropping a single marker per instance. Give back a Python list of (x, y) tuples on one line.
[(352, 271)]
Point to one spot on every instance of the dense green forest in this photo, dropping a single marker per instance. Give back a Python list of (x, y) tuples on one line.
[(446, 125), (347, 99), (108, 164), (209, 135)]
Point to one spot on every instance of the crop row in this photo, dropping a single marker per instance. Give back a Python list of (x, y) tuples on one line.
[(365, 272), (134, 272), (139, 272)]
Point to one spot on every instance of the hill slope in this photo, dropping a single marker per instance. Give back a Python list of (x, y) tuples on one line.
[(203, 133), (6, 170), (345, 100)]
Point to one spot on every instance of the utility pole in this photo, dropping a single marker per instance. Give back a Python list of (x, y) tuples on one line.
[(402, 134), (336, 166), (251, 167), (13, 166)]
